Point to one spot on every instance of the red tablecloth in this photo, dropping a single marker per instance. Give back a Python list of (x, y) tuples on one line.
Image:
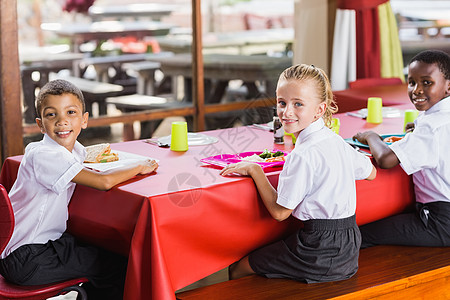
[(356, 98), (186, 221)]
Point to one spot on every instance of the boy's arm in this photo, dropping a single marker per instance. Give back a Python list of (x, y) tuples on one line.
[(106, 180), (381, 152), (265, 189)]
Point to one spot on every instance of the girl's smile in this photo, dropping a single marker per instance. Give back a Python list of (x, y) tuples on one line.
[(298, 104)]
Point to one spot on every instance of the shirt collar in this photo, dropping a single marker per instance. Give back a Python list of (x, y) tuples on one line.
[(78, 150), (444, 104), (313, 127)]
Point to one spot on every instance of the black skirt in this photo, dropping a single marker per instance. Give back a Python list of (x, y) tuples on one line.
[(323, 250)]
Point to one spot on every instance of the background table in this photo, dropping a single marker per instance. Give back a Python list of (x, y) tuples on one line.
[(155, 11), (43, 62), (186, 221), (247, 42), (223, 68), (103, 30)]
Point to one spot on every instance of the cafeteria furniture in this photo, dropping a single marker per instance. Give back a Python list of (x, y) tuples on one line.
[(137, 102), (154, 11), (95, 92), (145, 70), (248, 42), (356, 98), (10, 290), (185, 221), (385, 272), (219, 69), (103, 64), (43, 62), (80, 33)]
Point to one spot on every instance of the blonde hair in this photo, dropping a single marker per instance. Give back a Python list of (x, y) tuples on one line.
[(323, 86)]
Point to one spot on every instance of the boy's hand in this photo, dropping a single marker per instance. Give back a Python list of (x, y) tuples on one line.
[(362, 137), (149, 166), (409, 127), (241, 168)]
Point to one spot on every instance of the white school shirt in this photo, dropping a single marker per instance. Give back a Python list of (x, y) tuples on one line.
[(424, 153), (42, 191), (318, 177)]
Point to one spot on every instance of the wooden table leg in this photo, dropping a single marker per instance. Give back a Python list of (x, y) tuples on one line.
[(128, 132)]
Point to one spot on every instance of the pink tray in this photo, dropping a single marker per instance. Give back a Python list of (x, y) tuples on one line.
[(223, 160)]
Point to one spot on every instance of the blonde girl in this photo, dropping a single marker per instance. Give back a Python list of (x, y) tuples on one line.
[(316, 186)]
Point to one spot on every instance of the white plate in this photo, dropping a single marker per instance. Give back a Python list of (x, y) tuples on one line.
[(388, 112), (125, 159), (194, 139)]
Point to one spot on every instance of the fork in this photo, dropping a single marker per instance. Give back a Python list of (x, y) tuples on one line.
[(157, 143)]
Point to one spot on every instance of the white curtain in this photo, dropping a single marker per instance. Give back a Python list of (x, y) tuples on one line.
[(343, 61)]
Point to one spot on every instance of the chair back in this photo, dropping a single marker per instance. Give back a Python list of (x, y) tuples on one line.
[(6, 218)]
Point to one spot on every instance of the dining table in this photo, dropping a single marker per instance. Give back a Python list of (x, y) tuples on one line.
[(80, 33), (247, 42), (186, 221), (41, 61), (259, 73), (154, 11)]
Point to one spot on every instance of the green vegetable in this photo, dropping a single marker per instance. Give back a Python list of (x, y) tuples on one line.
[(267, 154), (278, 153)]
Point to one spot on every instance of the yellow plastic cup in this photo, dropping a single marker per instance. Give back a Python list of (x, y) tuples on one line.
[(410, 116), (374, 110), (294, 139), (179, 137), (335, 125)]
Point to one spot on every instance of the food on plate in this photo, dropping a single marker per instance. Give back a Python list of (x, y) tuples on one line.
[(253, 158), (100, 153), (277, 158), (392, 139), (266, 156)]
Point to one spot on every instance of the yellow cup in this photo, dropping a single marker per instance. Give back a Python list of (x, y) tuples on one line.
[(374, 110), (335, 125), (179, 137), (294, 139), (410, 116)]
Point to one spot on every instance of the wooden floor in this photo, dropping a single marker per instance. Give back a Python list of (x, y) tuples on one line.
[(385, 272)]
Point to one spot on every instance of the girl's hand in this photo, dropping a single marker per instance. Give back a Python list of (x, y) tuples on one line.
[(149, 166), (241, 168)]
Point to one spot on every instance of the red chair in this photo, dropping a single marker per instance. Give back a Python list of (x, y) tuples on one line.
[(366, 82), (37, 292)]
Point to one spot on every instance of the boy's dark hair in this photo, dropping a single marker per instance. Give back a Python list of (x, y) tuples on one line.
[(58, 87), (438, 57)]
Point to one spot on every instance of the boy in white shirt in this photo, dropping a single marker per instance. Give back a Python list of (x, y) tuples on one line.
[(422, 153), (40, 250)]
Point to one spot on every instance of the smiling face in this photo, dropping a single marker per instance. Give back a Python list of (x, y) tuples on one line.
[(62, 119), (298, 104), (426, 85)]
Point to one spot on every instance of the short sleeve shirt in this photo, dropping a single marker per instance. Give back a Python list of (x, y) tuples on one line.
[(424, 153), (318, 178), (42, 191)]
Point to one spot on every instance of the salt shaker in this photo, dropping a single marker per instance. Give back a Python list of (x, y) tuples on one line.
[(278, 131)]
